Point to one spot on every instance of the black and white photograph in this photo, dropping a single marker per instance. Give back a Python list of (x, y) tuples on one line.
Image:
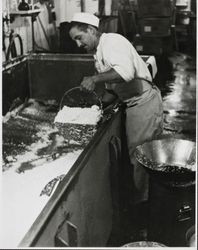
[(98, 131)]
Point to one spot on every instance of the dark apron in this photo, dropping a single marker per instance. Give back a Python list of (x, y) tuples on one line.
[(144, 121)]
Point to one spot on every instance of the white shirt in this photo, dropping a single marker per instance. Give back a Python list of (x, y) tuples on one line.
[(115, 51)]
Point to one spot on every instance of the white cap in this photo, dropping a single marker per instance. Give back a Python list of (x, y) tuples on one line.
[(87, 18)]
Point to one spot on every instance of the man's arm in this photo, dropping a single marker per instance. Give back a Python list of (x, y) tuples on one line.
[(110, 76)]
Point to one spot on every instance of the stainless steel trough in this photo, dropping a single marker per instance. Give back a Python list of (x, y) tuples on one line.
[(81, 210)]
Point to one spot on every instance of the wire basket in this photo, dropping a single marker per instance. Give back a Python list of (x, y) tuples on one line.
[(76, 97), (80, 133)]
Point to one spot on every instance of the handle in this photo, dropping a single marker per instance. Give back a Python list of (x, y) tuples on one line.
[(70, 90), (66, 92), (184, 213)]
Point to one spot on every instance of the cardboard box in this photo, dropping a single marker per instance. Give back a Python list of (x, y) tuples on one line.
[(153, 45)]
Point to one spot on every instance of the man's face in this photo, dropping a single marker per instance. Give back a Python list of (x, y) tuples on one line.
[(85, 39)]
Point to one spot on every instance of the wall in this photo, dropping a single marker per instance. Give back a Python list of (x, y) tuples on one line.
[(65, 9)]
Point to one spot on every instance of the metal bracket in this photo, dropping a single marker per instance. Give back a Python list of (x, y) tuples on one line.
[(66, 235), (184, 213)]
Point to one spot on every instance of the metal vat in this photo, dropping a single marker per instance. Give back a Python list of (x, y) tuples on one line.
[(83, 208), (80, 211)]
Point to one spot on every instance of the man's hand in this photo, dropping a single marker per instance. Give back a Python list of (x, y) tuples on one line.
[(88, 83)]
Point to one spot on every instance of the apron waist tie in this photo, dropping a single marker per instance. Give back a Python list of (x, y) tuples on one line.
[(134, 88)]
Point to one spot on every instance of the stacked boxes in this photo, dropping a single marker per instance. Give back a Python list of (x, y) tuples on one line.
[(155, 19), (152, 45), (155, 27), (143, 45)]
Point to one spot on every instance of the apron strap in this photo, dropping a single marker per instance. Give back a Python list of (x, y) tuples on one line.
[(144, 79)]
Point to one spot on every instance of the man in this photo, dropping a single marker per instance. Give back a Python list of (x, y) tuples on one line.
[(125, 74)]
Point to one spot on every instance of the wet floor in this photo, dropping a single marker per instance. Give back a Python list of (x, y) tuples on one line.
[(179, 98), (176, 79)]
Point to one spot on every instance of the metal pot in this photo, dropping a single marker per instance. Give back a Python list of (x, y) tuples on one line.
[(168, 159), (144, 244), (190, 237)]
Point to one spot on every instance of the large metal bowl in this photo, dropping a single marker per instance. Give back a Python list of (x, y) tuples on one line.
[(170, 158), (144, 244), (190, 236)]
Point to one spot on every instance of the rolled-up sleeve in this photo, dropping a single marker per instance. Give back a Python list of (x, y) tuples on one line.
[(117, 54)]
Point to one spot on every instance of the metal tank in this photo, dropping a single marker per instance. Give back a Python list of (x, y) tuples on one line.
[(81, 210), (84, 208)]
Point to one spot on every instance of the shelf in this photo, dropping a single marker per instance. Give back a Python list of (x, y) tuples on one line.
[(32, 13), (181, 5), (26, 12)]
